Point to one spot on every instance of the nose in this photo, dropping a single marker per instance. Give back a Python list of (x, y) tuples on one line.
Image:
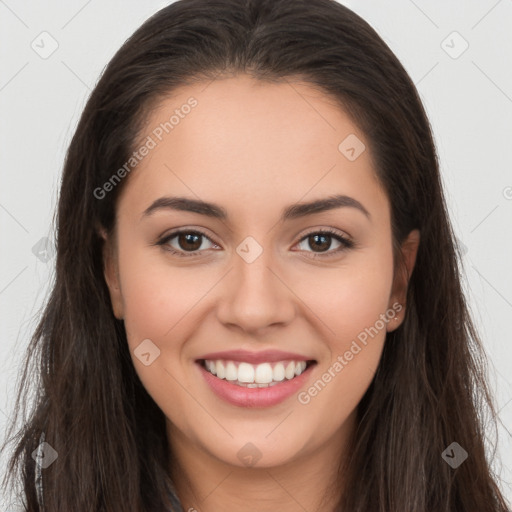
[(255, 297)]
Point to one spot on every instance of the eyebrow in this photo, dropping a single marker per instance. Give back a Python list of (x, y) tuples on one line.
[(294, 211)]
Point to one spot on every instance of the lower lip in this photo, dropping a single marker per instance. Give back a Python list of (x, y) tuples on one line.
[(255, 397)]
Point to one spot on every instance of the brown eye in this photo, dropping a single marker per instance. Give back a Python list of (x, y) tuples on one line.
[(183, 242), (321, 241), (189, 241)]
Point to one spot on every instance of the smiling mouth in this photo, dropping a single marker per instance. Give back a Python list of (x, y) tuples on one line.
[(261, 375)]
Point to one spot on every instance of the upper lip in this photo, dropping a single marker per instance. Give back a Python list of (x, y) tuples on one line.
[(262, 356)]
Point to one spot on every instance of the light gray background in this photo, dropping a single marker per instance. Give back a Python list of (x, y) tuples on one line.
[(468, 98)]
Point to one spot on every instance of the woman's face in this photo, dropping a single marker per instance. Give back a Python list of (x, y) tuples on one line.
[(262, 284)]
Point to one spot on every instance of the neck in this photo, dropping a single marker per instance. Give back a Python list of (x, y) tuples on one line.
[(311, 481)]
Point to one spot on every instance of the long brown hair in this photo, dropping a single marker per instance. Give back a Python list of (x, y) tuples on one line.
[(430, 387)]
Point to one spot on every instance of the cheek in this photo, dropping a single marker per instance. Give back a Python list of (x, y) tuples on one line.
[(350, 298), (350, 304), (156, 296), (158, 304)]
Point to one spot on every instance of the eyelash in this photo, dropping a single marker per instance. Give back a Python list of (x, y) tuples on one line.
[(345, 242)]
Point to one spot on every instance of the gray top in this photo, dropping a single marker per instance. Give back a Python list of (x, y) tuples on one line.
[(176, 505)]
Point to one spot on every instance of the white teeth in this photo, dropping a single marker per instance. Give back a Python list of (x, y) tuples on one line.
[(252, 376), (290, 370), (278, 372), (211, 367), (231, 371), (263, 373), (245, 372), (300, 367), (220, 370)]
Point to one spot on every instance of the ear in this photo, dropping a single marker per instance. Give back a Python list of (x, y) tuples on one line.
[(111, 272), (409, 250)]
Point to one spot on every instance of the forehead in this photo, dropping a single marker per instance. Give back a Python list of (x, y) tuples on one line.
[(253, 145)]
